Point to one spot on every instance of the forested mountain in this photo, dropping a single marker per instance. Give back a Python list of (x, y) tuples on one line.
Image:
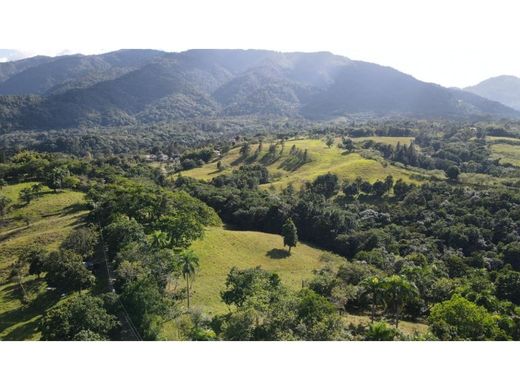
[(47, 75), (143, 86), (503, 89), (8, 69)]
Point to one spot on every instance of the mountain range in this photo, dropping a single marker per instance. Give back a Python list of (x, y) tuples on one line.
[(148, 86), (503, 89)]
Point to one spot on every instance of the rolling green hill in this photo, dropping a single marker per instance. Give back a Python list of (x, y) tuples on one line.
[(323, 160), (221, 249), (508, 152), (46, 220)]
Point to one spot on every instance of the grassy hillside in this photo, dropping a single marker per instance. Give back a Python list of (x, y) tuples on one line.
[(46, 220), (323, 160), (221, 249), (385, 140), (507, 153)]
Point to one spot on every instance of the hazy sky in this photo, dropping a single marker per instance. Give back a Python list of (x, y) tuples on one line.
[(453, 43)]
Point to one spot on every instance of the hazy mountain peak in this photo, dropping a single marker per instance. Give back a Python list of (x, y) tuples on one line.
[(130, 86), (504, 89)]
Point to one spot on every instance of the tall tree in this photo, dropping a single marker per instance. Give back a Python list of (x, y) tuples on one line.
[(189, 266), (56, 177), (372, 289), (36, 257), (290, 234), (397, 291)]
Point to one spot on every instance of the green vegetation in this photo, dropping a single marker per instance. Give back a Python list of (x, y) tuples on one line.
[(46, 221), (507, 153), (385, 140), (122, 248), (222, 249), (322, 160)]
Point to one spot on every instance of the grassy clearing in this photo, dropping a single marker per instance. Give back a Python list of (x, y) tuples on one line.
[(323, 160), (490, 138), (408, 328), (385, 140), (221, 249), (508, 154), (46, 220)]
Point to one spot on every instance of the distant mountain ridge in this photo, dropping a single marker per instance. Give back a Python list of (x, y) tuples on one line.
[(503, 89), (146, 86)]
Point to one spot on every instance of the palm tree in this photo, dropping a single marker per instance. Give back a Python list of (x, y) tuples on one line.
[(159, 240), (372, 288), (189, 264), (397, 291)]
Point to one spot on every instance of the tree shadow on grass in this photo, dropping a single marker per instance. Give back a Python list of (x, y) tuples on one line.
[(74, 209), (278, 253), (25, 314), (22, 332)]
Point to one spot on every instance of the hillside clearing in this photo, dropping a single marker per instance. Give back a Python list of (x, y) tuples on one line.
[(47, 220), (408, 328), (347, 166), (222, 249), (507, 153), (385, 140)]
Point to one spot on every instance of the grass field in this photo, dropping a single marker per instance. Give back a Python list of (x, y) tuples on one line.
[(490, 138), (221, 249), (408, 328), (46, 220), (508, 154), (385, 140), (323, 160)]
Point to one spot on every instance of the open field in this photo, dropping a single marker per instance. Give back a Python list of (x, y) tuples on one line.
[(323, 160), (221, 249), (490, 138), (507, 153), (46, 220), (408, 328), (385, 140)]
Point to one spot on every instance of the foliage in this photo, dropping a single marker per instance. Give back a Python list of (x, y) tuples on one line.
[(82, 241), (290, 234), (82, 317), (380, 331), (460, 319), (65, 271)]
